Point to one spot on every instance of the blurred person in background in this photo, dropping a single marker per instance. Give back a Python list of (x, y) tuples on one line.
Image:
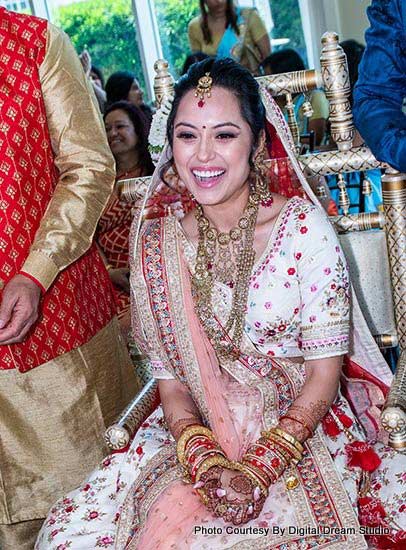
[(96, 78), (127, 134), (379, 96), (193, 58), (225, 30), (288, 60), (124, 86)]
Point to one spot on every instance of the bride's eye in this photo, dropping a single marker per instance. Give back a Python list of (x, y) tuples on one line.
[(185, 136), (226, 136)]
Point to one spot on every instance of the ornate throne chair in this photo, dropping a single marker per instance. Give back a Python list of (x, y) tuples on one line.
[(374, 244)]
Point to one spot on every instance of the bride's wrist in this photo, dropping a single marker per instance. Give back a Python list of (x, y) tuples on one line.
[(296, 427)]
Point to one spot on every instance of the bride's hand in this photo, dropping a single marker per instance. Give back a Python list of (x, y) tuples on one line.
[(232, 495)]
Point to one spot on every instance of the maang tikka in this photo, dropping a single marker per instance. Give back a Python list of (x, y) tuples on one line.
[(203, 88)]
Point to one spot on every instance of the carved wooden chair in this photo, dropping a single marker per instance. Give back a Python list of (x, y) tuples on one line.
[(374, 244)]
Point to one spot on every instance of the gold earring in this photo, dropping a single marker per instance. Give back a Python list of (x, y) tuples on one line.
[(261, 185)]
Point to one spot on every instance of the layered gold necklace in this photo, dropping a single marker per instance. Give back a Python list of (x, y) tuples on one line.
[(228, 258)]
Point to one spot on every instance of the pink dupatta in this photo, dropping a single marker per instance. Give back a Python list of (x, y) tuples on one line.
[(179, 500)]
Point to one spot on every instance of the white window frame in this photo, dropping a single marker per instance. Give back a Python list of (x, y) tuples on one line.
[(40, 8), (149, 40)]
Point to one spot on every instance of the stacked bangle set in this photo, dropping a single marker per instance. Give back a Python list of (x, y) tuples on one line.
[(263, 463), (196, 447)]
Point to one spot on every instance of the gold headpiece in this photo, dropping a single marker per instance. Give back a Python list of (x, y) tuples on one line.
[(203, 88)]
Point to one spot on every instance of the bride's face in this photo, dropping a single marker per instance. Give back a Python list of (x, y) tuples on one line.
[(211, 147)]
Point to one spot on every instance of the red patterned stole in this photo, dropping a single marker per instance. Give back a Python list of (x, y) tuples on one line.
[(80, 301)]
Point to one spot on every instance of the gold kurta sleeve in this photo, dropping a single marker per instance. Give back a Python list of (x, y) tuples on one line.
[(82, 156)]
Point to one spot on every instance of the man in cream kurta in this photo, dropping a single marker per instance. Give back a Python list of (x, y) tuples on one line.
[(64, 369)]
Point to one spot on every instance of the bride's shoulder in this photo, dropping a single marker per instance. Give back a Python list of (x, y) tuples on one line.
[(290, 209)]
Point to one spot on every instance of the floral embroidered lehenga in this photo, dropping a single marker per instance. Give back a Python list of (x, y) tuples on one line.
[(299, 308)]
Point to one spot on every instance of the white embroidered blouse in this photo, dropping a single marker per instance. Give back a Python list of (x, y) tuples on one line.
[(298, 302)]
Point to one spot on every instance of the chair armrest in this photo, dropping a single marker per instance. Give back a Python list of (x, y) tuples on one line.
[(393, 416), (118, 435)]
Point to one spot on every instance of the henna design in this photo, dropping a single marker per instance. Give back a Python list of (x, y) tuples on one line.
[(310, 414), (177, 426), (241, 484), (294, 428)]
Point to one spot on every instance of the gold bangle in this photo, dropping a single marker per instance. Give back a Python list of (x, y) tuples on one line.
[(190, 431), (262, 476), (288, 437), (278, 449), (280, 442)]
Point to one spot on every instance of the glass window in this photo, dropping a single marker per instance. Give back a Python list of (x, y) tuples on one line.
[(18, 5), (173, 18), (287, 31), (103, 27)]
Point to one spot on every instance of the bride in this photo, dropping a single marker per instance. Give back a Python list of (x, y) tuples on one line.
[(268, 432)]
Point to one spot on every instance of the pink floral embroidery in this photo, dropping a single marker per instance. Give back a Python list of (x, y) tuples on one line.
[(291, 271), (327, 271), (303, 230), (104, 542), (313, 288), (267, 305)]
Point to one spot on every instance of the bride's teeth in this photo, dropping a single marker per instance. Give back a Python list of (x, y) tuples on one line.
[(207, 173)]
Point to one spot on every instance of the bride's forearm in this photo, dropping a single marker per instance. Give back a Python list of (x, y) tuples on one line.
[(315, 399), (179, 408)]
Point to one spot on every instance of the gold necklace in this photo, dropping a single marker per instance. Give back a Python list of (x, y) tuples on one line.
[(212, 245)]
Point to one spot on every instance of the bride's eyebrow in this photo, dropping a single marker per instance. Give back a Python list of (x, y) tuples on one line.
[(215, 127), (227, 124), (186, 124)]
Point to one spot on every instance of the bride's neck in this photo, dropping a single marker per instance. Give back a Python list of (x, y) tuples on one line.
[(225, 216)]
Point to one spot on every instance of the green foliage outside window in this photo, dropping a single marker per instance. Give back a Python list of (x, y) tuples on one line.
[(105, 28), (288, 24), (173, 19)]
